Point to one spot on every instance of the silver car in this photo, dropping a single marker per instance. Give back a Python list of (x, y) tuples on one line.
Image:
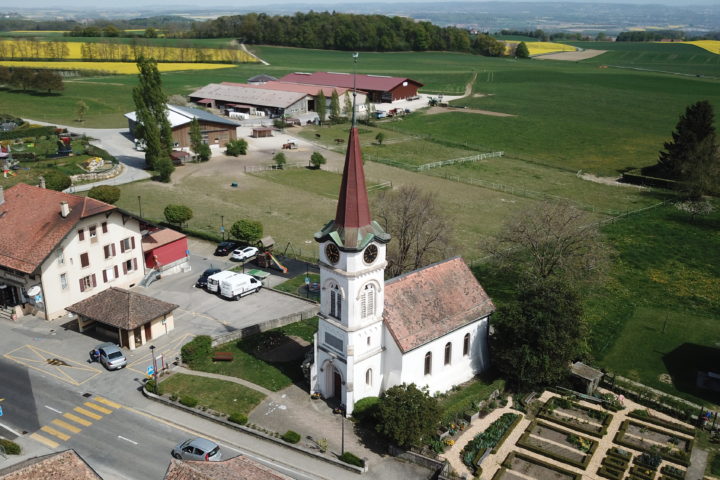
[(198, 449), (110, 356)]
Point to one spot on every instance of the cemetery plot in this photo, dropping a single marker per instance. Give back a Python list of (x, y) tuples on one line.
[(670, 446), (575, 416), (558, 444), (517, 463)]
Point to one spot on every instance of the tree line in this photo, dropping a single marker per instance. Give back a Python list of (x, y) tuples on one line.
[(342, 31), (31, 79)]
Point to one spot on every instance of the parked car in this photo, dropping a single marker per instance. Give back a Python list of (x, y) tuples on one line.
[(109, 355), (202, 281), (226, 247), (244, 253), (198, 449)]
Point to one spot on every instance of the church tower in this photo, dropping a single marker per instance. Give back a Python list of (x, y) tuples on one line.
[(348, 344)]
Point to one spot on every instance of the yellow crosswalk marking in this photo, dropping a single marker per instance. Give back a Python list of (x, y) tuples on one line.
[(97, 407), (54, 432), (88, 413), (66, 426), (77, 419), (45, 441), (107, 402)]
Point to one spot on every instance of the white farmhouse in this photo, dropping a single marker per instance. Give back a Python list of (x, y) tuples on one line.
[(427, 327)]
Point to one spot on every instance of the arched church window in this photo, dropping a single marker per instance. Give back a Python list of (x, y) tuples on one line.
[(367, 301), (335, 302), (368, 377), (428, 363), (466, 345), (448, 353)]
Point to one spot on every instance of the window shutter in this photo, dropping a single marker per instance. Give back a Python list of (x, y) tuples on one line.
[(113, 250), (82, 285), (132, 242), (122, 247), (104, 227), (134, 263), (81, 233), (84, 260), (94, 282), (106, 249), (124, 268), (105, 276), (116, 271)]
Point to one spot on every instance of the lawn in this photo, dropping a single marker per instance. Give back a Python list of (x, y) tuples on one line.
[(247, 365), (297, 284), (318, 182), (657, 312), (219, 395), (456, 402)]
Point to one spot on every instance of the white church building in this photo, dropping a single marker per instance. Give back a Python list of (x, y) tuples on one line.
[(427, 327)]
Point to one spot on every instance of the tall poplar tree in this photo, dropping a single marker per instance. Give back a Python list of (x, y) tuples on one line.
[(150, 107), (321, 106), (334, 107)]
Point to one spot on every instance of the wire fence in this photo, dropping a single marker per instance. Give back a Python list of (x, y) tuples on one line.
[(454, 161)]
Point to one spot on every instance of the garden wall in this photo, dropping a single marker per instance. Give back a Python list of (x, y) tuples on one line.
[(269, 325)]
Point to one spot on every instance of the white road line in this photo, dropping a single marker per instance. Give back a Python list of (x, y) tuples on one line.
[(127, 440), (53, 409), (2, 425)]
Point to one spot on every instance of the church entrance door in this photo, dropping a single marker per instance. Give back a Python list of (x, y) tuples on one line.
[(337, 386)]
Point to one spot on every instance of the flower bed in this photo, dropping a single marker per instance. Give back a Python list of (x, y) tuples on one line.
[(492, 437), (533, 468), (575, 416), (670, 471), (558, 444), (632, 434), (645, 416)]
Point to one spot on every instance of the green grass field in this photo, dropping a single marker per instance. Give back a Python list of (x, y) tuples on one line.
[(219, 395)]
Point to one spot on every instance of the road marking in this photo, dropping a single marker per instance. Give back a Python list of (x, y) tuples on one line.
[(2, 425), (66, 426), (43, 440), (88, 413), (107, 402), (97, 407), (77, 419), (127, 440), (54, 432), (53, 409), (37, 359)]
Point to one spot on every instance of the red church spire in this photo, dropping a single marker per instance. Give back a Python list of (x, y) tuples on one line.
[(353, 210)]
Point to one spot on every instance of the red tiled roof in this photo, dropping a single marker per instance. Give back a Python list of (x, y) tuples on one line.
[(238, 468), (31, 225), (121, 308), (293, 87), (362, 82), (160, 237), (65, 465), (430, 302)]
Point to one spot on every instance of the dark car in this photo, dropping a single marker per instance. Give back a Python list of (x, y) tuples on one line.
[(225, 248), (202, 281)]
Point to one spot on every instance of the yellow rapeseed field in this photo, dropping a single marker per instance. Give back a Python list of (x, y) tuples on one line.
[(712, 46), (126, 68), (119, 52), (540, 48)]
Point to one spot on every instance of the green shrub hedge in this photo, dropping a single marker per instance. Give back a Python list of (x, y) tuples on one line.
[(645, 416), (189, 401), (352, 459), (27, 133), (365, 408), (238, 418), (10, 447), (291, 437), (196, 350), (611, 473)]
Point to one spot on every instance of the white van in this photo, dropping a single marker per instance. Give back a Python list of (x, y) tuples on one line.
[(213, 281), (238, 285)]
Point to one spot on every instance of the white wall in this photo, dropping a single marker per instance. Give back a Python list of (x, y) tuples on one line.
[(55, 297)]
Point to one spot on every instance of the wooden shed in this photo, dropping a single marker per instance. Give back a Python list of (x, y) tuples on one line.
[(262, 132)]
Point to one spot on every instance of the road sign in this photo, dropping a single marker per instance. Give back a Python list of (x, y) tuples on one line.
[(150, 370), (307, 280), (1, 412)]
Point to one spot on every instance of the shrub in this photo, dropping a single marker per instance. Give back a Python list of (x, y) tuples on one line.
[(365, 408), (105, 193), (236, 147), (11, 448), (151, 387), (352, 459), (323, 445), (291, 437), (177, 214), (94, 151), (280, 160), (189, 401), (239, 418), (57, 181), (649, 459), (317, 159), (197, 350)]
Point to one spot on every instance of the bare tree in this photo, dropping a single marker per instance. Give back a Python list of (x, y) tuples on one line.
[(551, 240), (421, 233)]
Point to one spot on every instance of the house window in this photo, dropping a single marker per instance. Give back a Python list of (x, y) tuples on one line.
[(81, 234), (84, 260), (127, 244), (109, 274), (86, 283), (104, 227), (63, 281), (367, 301), (60, 256), (368, 341), (335, 302), (129, 265), (93, 231), (109, 250), (448, 353), (466, 345), (428, 363), (368, 377)]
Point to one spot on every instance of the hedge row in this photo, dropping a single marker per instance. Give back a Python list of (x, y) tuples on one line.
[(670, 471), (507, 433), (620, 440), (611, 473), (30, 132), (644, 473), (646, 417), (546, 414)]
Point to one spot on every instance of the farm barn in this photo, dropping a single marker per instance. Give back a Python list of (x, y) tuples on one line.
[(380, 89), (215, 129)]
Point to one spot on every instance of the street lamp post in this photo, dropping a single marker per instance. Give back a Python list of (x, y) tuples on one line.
[(140, 206), (222, 227), (152, 351)]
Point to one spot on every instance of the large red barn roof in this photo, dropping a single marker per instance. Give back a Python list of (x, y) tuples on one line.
[(362, 81)]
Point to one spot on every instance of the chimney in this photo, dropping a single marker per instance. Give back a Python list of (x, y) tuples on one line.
[(2, 195), (42, 182), (64, 209)]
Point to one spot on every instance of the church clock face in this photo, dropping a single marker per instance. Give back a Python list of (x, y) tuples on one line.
[(332, 253), (370, 253)]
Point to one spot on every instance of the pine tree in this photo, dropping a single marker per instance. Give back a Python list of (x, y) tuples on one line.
[(321, 106)]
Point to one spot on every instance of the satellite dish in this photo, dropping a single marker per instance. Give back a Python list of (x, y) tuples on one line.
[(34, 290)]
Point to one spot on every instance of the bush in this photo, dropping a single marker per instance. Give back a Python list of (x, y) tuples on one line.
[(177, 214), (57, 181), (238, 418), (197, 350), (151, 387), (236, 147), (189, 401), (11, 448), (317, 159), (365, 408), (291, 437), (105, 193), (352, 459)]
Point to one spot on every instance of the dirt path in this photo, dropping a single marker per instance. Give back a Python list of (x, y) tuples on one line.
[(571, 56), (435, 110)]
